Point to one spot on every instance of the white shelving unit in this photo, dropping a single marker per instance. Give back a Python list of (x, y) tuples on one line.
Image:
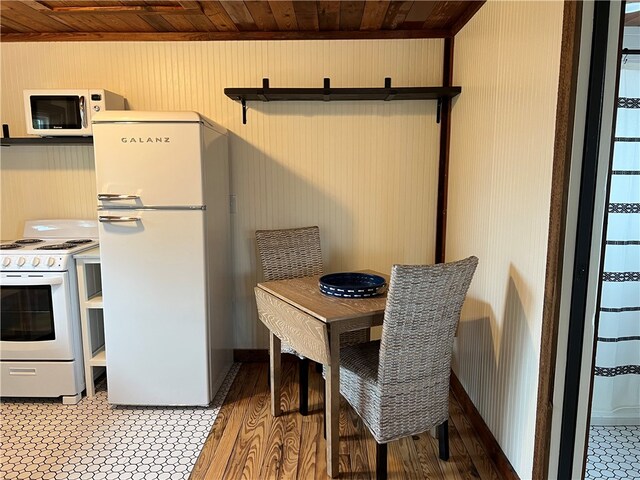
[(91, 320)]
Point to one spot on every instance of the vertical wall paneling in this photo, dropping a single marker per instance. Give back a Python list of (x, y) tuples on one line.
[(45, 182), (501, 157), (365, 172)]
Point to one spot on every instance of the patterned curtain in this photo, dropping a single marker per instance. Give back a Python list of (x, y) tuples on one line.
[(616, 397)]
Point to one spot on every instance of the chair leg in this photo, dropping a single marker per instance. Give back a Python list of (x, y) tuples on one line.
[(324, 416), (304, 386), (443, 440), (381, 461)]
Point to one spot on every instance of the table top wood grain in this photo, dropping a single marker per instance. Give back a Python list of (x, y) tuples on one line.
[(304, 294)]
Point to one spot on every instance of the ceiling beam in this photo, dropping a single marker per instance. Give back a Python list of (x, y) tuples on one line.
[(217, 36)]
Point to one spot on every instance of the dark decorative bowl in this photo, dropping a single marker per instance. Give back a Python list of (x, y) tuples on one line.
[(352, 285)]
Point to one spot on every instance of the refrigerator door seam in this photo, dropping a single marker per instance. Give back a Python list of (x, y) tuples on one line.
[(138, 122)]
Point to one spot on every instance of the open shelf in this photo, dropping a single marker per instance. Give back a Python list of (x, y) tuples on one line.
[(328, 94), (95, 301), (91, 316), (45, 141), (99, 359), (341, 94)]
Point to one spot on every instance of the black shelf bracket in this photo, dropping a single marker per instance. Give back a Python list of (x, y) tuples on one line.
[(387, 86), (265, 86), (244, 111), (328, 94)]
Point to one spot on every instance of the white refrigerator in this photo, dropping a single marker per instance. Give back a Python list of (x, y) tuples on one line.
[(163, 211)]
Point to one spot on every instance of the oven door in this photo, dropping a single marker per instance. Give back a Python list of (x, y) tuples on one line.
[(36, 315)]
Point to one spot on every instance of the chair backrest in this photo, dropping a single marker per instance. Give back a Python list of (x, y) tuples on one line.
[(289, 253), (420, 319)]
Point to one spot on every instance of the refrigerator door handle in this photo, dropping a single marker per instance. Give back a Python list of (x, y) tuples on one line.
[(117, 219), (151, 207), (117, 196)]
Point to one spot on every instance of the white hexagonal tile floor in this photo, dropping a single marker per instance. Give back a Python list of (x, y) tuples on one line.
[(613, 452), (43, 439)]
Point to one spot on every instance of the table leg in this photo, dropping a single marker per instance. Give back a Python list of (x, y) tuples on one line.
[(332, 400), (274, 373)]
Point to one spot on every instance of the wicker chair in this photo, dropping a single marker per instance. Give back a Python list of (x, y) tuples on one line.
[(400, 385), (293, 253)]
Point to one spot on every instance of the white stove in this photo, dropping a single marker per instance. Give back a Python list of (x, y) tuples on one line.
[(48, 245), (40, 338)]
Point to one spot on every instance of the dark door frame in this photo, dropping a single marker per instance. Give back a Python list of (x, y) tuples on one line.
[(593, 129), (584, 234)]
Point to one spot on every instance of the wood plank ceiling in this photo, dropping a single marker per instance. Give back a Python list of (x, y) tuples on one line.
[(74, 20)]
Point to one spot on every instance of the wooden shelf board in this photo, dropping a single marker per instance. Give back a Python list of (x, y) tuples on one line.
[(95, 301), (99, 359), (46, 141), (341, 94)]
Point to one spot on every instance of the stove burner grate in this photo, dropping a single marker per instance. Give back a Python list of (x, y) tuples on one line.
[(28, 241), (57, 246), (78, 241), (10, 246)]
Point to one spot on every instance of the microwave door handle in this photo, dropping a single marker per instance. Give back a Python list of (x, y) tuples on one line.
[(83, 113)]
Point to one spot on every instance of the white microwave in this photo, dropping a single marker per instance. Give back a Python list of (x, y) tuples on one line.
[(66, 112)]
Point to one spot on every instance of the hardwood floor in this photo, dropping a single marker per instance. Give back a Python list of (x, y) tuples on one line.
[(247, 442)]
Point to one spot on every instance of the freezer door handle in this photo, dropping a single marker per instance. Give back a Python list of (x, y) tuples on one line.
[(117, 219), (117, 196)]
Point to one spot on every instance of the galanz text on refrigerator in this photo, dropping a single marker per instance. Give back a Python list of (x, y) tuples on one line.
[(146, 140)]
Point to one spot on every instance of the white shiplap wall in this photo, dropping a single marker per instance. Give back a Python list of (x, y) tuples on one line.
[(365, 172), (507, 60), (45, 182)]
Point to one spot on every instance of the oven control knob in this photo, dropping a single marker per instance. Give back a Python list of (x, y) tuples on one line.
[(51, 262), (35, 262), (21, 261), (6, 262)]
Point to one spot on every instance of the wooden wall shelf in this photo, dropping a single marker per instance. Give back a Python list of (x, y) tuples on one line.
[(45, 141), (328, 94), (340, 94)]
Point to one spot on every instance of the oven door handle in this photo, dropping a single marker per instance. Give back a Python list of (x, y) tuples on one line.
[(11, 281)]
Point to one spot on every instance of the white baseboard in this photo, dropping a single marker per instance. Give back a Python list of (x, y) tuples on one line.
[(621, 416)]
